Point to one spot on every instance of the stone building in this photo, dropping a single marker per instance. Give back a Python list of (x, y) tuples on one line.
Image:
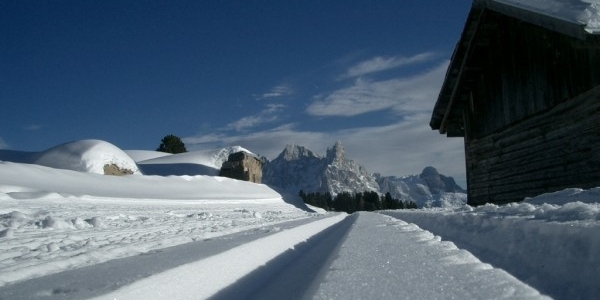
[(243, 166)]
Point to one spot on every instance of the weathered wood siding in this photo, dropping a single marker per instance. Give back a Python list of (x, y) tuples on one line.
[(518, 69), (550, 151)]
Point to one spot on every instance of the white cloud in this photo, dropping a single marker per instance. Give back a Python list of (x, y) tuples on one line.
[(403, 95), (267, 115), (402, 148), (3, 144), (381, 63), (278, 91)]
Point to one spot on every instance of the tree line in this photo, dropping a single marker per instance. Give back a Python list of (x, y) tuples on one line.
[(347, 202)]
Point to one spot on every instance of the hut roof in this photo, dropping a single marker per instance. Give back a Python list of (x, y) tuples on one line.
[(576, 18)]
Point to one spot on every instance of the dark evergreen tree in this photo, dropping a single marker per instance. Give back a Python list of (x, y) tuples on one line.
[(349, 203), (172, 144)]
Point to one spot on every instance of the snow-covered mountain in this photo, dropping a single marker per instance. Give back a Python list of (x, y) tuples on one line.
[(298, 168), (429, 189)]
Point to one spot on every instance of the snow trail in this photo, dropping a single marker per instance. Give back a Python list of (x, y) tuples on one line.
[(386, 258), (192, 281), (296, 273), (101, 278)]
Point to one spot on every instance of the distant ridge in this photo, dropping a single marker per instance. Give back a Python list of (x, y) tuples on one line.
[(298, 168)]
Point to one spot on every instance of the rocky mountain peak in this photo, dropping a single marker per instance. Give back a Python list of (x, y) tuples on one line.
[(298, 168), (429, 172), (295, 152), (336, 152), (438, 183)]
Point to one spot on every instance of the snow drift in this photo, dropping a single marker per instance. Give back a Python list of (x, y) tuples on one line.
[(88, 156), (200, 162)]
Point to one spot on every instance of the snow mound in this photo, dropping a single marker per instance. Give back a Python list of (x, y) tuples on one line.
[(201, 162), (89, 156), (568, 195), (23, 181), (141, 155)]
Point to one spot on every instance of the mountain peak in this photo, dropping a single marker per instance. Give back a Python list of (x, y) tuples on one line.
[(429, 172), (438, 183), (297, 168), (295, 152), (337, 152)]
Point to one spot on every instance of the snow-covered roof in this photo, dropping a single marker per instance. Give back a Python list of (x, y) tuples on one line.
[(581, 13), (579, 19)]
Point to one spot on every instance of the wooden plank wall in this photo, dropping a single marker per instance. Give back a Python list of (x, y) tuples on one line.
[(524, 69), (550, 151)]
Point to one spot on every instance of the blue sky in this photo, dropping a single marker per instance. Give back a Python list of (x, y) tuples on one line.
[(260, 74)]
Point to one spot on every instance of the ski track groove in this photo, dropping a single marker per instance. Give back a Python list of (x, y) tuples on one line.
[(127, 270)]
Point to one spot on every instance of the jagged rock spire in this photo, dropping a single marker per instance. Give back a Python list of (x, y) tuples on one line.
[(337, 152)]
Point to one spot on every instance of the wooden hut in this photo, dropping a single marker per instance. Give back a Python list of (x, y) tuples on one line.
[(523, 90)]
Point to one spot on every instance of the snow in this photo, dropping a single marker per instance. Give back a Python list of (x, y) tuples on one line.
[(200, 162), (585, 12), (558, 233), (141, 155), (387, 258), (54, 220), (192, 281), (76, 234), (86, 156)]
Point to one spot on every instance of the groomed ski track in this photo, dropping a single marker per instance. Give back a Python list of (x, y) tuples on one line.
[(358, 256)]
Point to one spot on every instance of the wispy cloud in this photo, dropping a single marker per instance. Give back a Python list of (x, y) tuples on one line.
[(3, 144), (403, 95), (403, 147), (382, 63), (278, 91), (33, 127), (267, 115)]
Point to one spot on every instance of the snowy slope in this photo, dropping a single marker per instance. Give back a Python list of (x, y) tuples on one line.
[(201, 162), (88, 156), (141, 155)]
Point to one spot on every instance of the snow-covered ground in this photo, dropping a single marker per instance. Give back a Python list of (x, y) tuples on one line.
[(551, 241), (75, 234)]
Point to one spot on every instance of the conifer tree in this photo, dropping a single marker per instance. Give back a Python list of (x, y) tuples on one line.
[(172, 144)]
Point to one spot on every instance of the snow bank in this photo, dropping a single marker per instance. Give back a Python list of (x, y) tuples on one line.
[(86, 156), (550, 242), (202, 162), (27, 181)]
